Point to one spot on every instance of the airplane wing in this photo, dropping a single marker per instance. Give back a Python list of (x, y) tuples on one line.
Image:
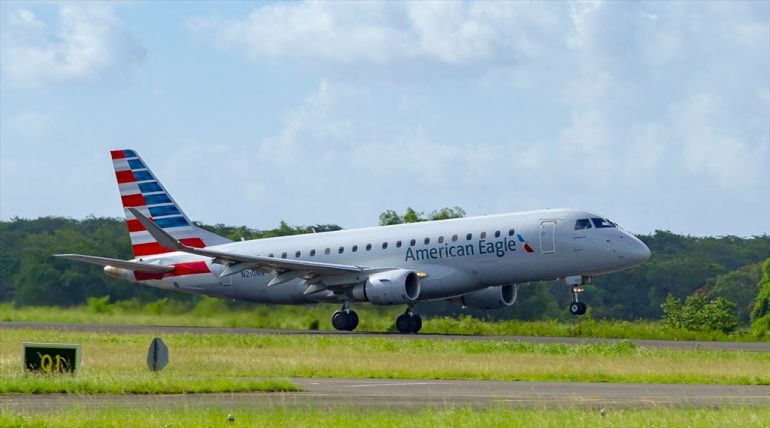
[(123, 264), (283, 270)]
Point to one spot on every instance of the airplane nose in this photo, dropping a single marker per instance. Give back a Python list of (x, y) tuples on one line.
[(644, 252), (640, 252)]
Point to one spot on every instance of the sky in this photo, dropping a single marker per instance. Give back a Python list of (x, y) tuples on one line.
[(653, 114)]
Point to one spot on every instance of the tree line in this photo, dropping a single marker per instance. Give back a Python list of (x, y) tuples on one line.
[(726, 267)]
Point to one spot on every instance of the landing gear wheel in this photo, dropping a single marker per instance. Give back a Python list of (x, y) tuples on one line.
[(577, 308), (345, 320), (416, 323), (404, 323), (340, 320), (353, 320), (583, 308), (574, 308), (408, 323)]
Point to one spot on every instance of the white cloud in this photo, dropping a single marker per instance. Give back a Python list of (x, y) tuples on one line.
[(583, 15), (88, 44), (311, 124), (730, 160), (337, 126), (447, 33)]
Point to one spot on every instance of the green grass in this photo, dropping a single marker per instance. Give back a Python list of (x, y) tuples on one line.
[(116, 362), (137, 384), (215, 313), (451, 417)]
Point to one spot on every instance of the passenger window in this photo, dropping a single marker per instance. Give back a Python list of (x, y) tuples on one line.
[(454, 238), (297, 254), (342, 250), (398, 244), (355, 248), (368, 247), (483, 235), (601, 223), (511, 232), (312, 252), (583, 223), (469, 236), (327, 251), (412, 242), (427, 241), (440, 239), (384, 245), (497, 233), (283, 255)]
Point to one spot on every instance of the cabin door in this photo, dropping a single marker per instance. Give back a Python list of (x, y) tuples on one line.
[(547, 238)]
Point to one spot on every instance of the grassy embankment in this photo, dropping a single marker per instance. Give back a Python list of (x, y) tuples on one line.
[(455, 417), (226, 362), (215, 313)]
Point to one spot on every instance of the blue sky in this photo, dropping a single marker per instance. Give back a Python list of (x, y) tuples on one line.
[(656, 114)]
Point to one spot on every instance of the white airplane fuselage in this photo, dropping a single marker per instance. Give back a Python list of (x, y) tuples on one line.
[(460, 256)]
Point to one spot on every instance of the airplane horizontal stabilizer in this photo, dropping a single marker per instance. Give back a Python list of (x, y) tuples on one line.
[(123, 264)]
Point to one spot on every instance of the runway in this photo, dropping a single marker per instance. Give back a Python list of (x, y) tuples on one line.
[(668, 344), (419, 394)]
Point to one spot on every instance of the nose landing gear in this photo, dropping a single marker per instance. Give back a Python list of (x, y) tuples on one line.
[(408, 322), (576, 307)]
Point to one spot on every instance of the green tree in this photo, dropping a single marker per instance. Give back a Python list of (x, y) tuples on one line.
[(447, 213), (739, 286), (411, 216), (760, 315), (390, 217), (699, 314)]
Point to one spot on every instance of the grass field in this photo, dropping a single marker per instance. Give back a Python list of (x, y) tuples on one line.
[(454, 417), (116, 362), (215, 313)]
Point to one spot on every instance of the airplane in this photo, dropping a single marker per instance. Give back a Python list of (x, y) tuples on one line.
[(475, 262)]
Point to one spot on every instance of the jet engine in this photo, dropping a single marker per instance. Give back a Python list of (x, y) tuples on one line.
[(393, 287), (496, 297)]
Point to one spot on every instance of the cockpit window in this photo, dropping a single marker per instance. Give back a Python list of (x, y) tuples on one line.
[(583, 223), (602, 222)]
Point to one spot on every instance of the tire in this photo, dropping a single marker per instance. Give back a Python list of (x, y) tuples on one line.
[(583, 308), (340, 320), (574, 308), (352, 321), (416, 323), (404, 324)]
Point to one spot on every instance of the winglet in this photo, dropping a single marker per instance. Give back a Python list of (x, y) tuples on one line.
[(164, 239)]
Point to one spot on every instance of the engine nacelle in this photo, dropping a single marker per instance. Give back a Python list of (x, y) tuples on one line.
[(496, 297), (393, 287)]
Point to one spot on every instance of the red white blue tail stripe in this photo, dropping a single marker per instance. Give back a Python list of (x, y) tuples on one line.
[(140, 189)]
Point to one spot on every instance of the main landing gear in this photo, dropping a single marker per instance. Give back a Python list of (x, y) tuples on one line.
[(345, 319), (576, 307), (408, 322)]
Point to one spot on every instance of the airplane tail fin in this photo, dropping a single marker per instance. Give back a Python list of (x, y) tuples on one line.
[(140, 189)]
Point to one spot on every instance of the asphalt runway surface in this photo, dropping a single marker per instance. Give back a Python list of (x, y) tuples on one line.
[(668, 344), (419, 394)]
